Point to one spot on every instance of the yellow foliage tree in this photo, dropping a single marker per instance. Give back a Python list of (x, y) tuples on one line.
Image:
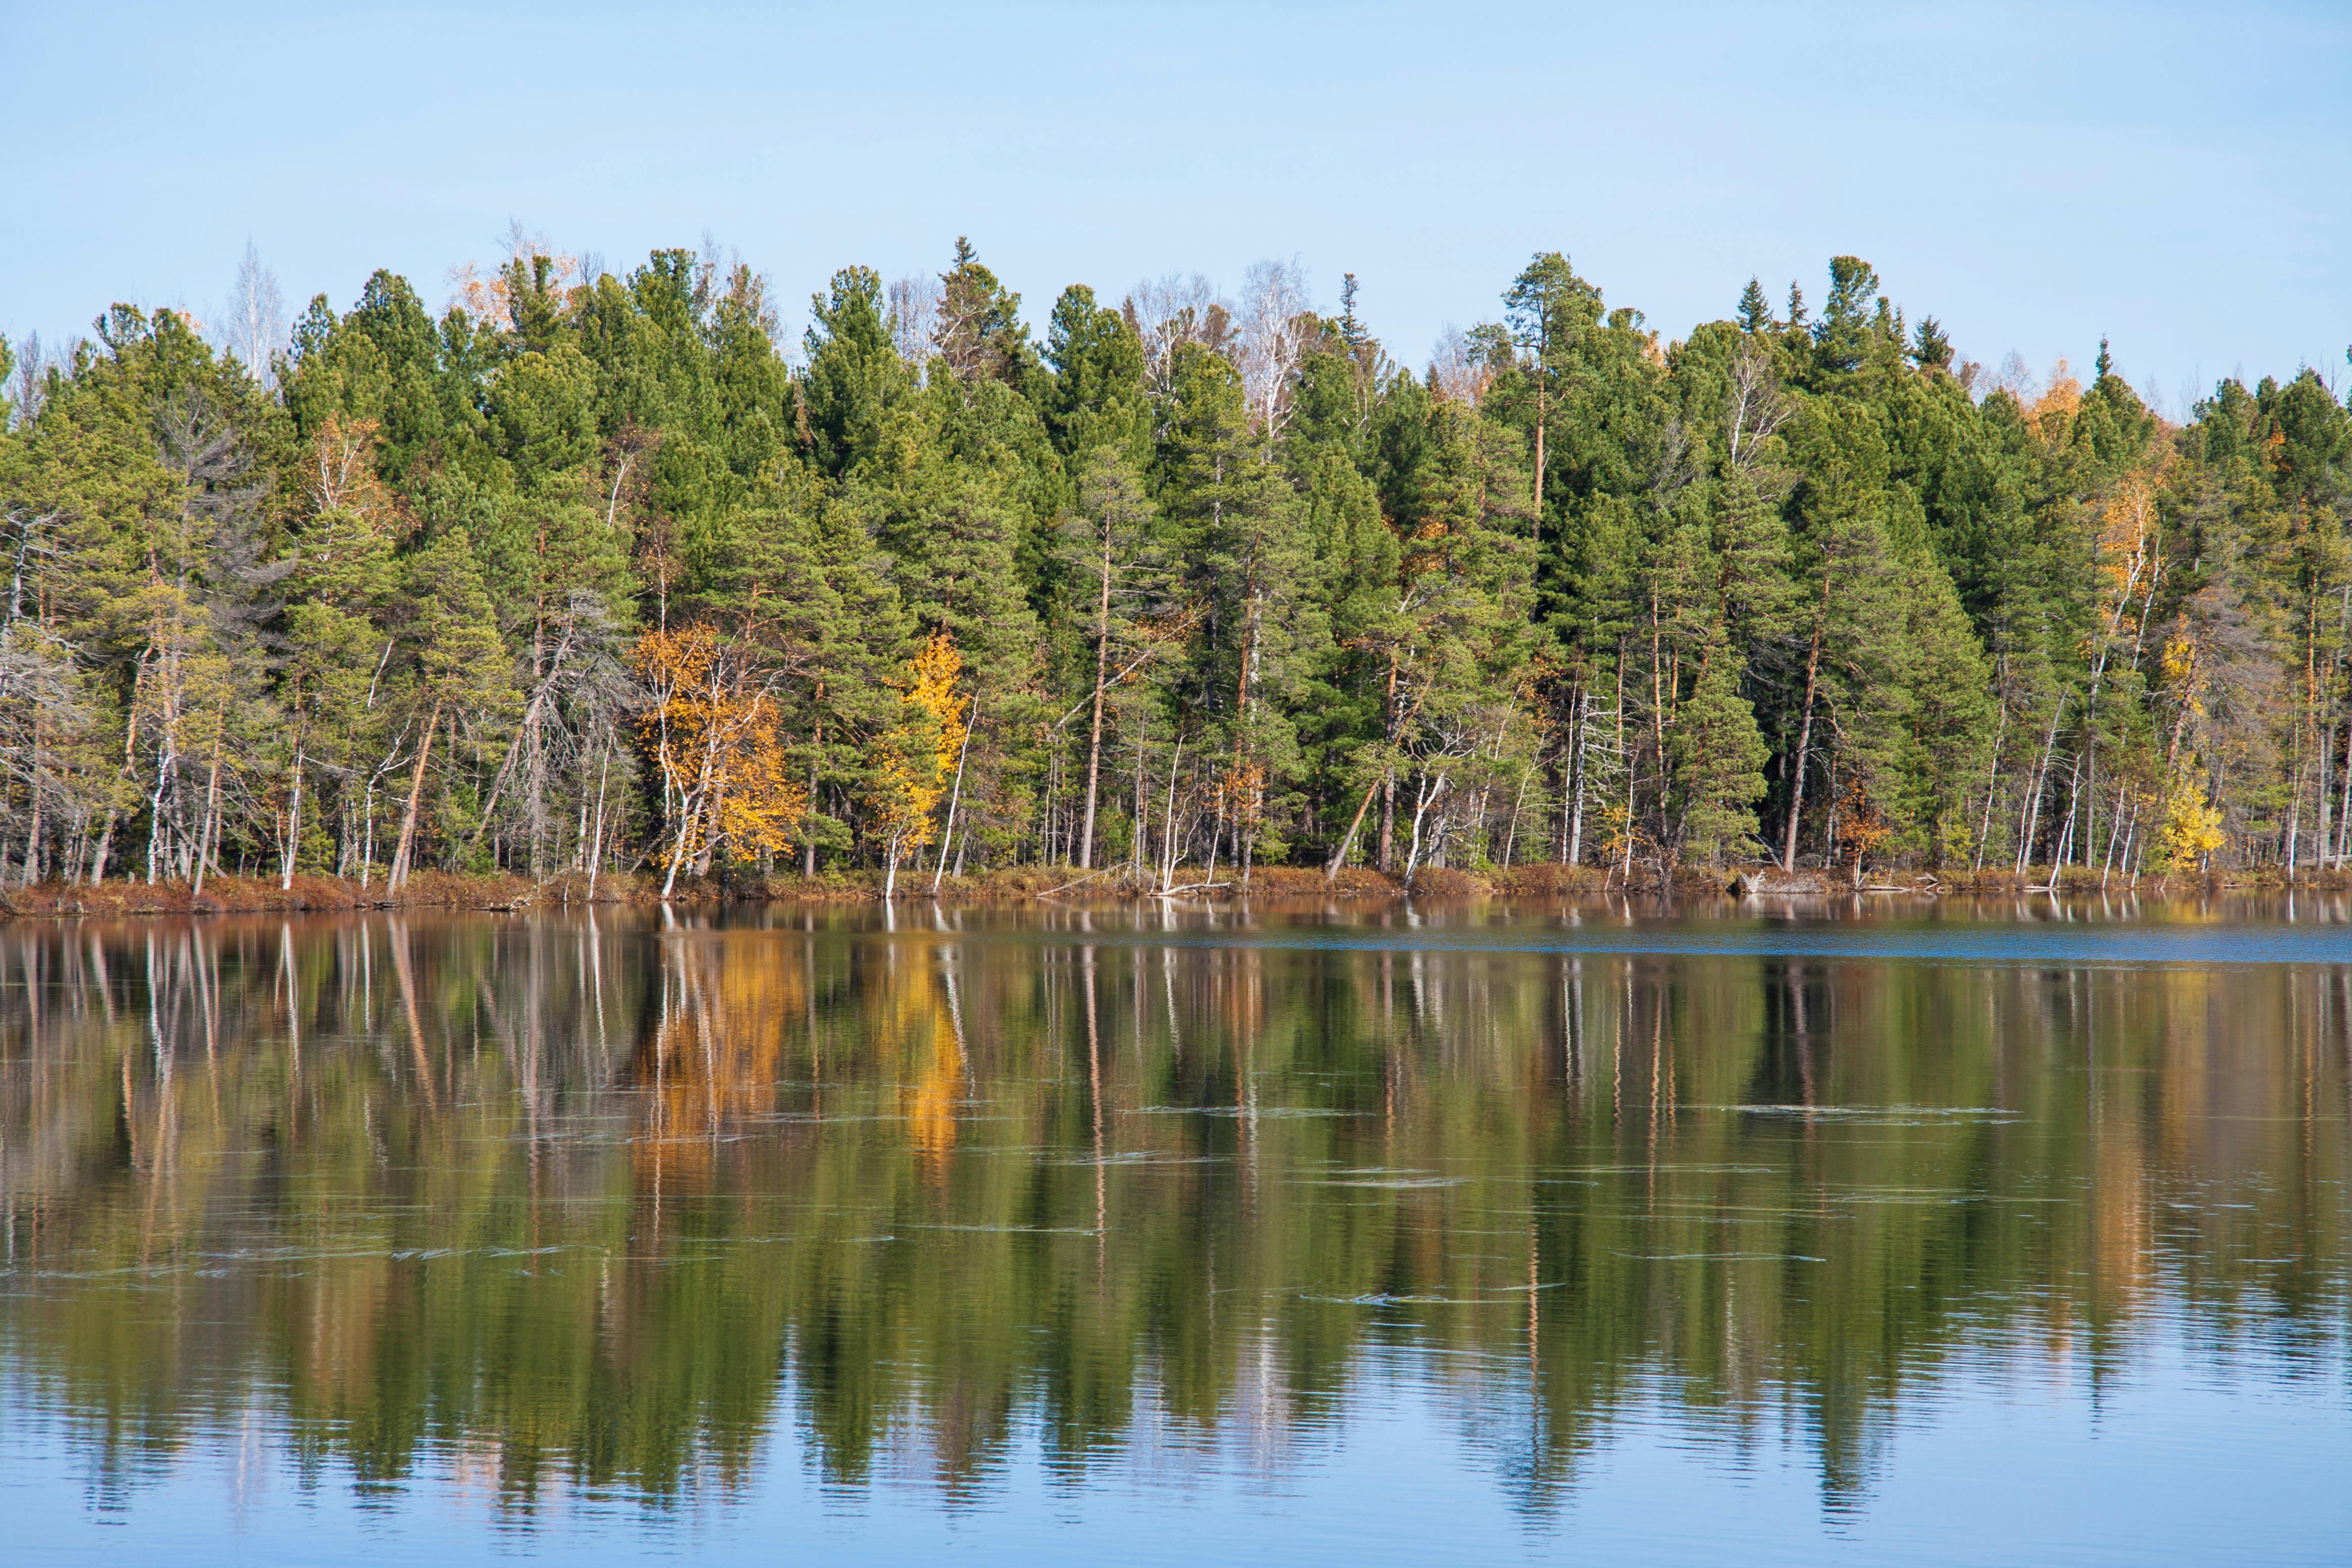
[(2190, 828), (2052, 414), (912, 759), (2128, 541), (714, 736), (2192, 824)]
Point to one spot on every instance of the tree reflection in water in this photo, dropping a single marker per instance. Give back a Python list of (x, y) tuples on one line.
[(597, 1202)]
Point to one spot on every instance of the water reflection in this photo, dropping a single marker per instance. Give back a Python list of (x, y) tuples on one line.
[(602, 1206)]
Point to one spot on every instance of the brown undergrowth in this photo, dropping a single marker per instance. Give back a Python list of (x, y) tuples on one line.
[(1065, 884), (244, 894)]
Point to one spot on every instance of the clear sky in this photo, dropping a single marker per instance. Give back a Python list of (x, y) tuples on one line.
[(2173, 176)]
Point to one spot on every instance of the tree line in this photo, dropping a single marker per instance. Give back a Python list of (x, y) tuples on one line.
[(586, 575)]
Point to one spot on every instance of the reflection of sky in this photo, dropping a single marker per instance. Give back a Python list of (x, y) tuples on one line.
[(2178, 1458), (2024, 946)]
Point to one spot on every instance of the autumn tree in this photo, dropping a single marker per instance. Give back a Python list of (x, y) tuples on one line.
[(913, 758), (711, 727)]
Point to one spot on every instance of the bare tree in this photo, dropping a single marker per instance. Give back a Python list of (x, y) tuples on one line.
[(2016, 378), (1461, 372), (253, 325), (720, 276), (1170, 311), (1275, 325), (26, 381), (914, 318), (1758, 408), (40, 714)]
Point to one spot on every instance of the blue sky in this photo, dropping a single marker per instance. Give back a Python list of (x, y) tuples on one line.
[(2035, 175)]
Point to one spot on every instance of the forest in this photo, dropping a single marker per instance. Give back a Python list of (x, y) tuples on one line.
[(600, 575)]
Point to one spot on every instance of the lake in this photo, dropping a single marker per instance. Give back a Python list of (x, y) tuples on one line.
[(1952, 1233)]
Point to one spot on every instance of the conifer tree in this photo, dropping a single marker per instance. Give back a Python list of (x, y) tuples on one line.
[(1237, 525), (1717, 755), (1096, 398), (456, 670)]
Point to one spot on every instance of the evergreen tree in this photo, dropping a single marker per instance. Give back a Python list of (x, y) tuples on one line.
[(855, 374), (456, 670), (980, 334), (1718, 757), (1097, 398), (1755, 310)]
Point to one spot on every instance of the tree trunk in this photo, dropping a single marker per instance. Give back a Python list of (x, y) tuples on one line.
[(293, 819), (367, 829), (1583, 763), (2040, 780), (2114, 832), (1388, 823), (817, 748), (1094, 743), (596, 838), (955, 799), (2344, 802), (1338, 858), (2322, 837), (1426, 798), (1168, 822), (33, 829), (693, 805), (1540, 411), (1805, 729), (398, 879), (208, 842), (2066, 834), (535, 777), (686, 815), (1142, 821), (1511, 837)]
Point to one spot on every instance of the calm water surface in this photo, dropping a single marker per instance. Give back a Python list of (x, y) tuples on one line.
[(1947, 1235)]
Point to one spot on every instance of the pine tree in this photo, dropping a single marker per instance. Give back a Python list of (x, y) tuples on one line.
[(1237, 524), (980, 334), (1096, 398), (855, 375), (1717, 755), (1112, 544), (1845, 568), (457, 670)]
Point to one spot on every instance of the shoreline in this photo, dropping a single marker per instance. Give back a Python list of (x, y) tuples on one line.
[(1041, 885)]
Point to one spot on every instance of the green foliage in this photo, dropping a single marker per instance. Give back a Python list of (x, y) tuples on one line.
[(1718, 757), (1096, 398)]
